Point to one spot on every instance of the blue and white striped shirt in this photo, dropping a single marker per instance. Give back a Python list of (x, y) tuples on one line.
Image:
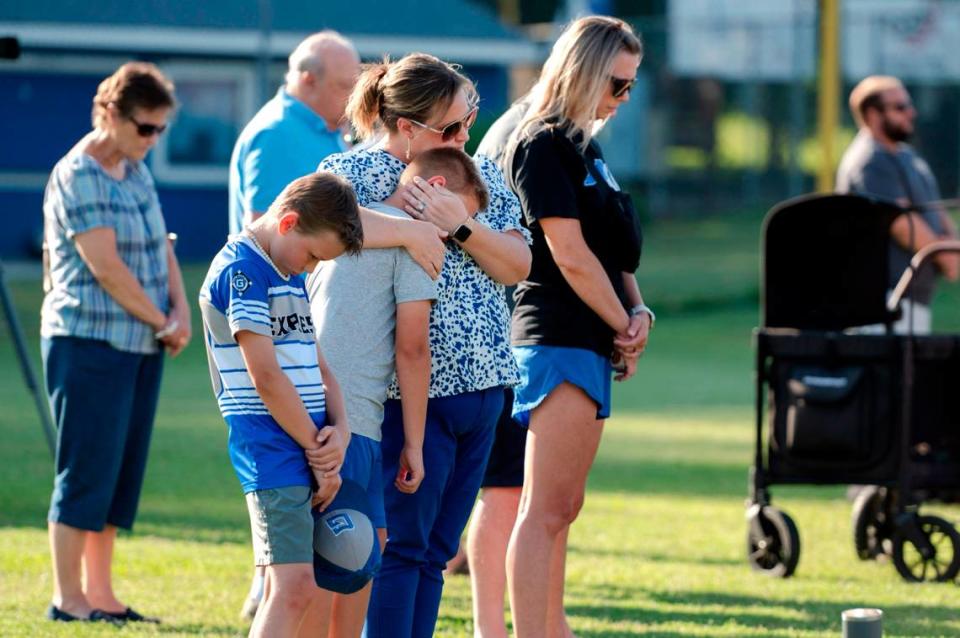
[(243, 291), (79, 197)]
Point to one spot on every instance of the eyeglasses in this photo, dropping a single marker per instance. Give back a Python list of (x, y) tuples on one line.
[(146, 130), (900, 107), (621, 86), (451, 130)]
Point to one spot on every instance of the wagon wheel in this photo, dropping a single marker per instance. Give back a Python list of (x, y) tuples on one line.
[(773, 543), (930, 553), (873, 522)]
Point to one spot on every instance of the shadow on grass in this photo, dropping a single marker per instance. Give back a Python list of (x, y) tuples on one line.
[(685, 479), (654, 607), (196, 629)]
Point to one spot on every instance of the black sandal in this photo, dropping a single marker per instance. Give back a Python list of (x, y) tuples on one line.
[(56, 614), (130, 615)]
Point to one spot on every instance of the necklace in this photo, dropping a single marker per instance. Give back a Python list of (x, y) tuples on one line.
[(263, 253)]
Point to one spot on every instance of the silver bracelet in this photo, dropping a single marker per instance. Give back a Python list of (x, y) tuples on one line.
[(642, 307), (167, 330)]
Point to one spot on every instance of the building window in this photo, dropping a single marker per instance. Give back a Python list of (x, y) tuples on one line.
[(215, 102)]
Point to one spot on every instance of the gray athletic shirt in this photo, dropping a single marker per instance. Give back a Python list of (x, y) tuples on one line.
[(870, 169), (354, 303)]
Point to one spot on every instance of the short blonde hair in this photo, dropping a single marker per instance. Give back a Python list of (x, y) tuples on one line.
[(456, 167), (576, 75), (869, 94)]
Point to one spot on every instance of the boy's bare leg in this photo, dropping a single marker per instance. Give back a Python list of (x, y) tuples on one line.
[(289, 591), (350, 611)]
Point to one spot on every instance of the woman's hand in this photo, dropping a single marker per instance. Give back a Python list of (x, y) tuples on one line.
[(633, 342), (177, 340), (435, 204), (624, 366), (424, 242)]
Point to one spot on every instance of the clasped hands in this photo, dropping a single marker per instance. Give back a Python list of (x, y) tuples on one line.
[(628, 346), (325, 461)]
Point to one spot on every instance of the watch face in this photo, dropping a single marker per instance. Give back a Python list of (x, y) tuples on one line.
[(462, 232)]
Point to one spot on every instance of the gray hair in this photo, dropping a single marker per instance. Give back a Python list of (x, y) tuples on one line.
[(308, 56)]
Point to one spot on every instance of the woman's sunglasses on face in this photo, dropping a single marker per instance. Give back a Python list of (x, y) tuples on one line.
[(621, 85), (451, 130)]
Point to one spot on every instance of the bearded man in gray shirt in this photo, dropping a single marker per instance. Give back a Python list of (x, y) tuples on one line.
[(881, 164)]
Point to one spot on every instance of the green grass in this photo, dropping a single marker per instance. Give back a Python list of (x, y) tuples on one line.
[(657, 551)]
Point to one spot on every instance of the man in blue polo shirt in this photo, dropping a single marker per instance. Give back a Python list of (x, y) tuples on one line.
[(296, 129), (286, 139)]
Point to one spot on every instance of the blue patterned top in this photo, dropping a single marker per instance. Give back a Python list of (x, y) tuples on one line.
[(469, 323), (81, 196)]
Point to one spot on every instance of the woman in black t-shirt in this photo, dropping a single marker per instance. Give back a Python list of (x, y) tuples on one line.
[(579, 314)]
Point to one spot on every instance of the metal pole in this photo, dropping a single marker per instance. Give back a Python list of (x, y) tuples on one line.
[(862, 623), (29, 377), (829, 91), (264, 89)]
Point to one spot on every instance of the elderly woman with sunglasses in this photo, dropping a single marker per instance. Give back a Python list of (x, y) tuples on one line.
[(579, 314), (115, 301), (420, 103)]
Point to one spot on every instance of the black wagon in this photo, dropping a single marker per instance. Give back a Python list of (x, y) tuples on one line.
[(837, 406)]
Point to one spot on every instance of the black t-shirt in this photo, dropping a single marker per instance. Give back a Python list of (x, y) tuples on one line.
[(553, 178)]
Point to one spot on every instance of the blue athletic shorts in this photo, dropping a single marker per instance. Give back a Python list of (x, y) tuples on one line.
[(543, 368), (363, 463)]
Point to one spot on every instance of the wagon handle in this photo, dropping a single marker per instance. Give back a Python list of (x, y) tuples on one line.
[(925, 253)]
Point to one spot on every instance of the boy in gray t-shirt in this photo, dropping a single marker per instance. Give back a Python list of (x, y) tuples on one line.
[(372, 318)]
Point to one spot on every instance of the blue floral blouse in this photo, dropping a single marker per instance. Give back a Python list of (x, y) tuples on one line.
[(470, 322)]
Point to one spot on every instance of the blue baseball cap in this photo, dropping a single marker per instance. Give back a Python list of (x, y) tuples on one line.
[(346, 551)]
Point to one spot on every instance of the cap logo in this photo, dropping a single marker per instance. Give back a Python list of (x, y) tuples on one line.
[(339, 523)]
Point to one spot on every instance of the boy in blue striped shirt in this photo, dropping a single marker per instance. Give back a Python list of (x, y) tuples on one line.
[(274, 389)]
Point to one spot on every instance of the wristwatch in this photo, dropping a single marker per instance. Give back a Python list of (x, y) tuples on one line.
[(642, 307), (462, 232)]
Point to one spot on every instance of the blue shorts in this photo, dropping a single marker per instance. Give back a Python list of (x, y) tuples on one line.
[(543, 368), (363, 464), (103, 402)]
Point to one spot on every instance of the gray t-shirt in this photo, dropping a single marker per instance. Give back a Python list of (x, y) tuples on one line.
[(354, 305), (868, 168)]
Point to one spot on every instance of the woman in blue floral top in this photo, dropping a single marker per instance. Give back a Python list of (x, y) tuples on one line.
[(416, 104)]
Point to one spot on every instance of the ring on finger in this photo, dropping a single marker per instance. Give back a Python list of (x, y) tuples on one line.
[(421, 205)]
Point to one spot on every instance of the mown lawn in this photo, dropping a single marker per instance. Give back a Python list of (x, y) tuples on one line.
[(658, 549)]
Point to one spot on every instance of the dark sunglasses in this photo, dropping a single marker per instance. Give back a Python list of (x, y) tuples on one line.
[(451, 130), (146, 130), (899, 106), (621, 86)]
